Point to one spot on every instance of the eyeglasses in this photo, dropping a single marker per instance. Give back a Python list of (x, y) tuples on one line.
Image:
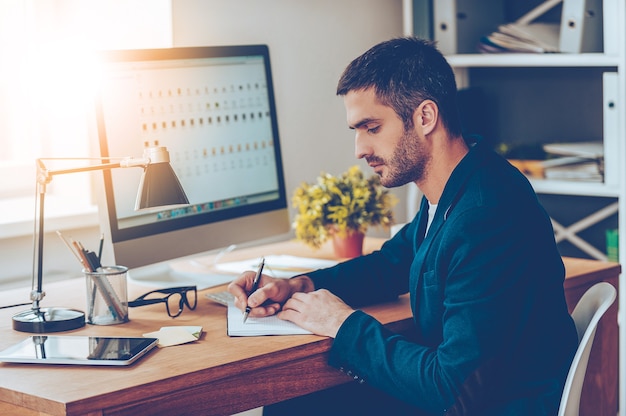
[(175, 299)]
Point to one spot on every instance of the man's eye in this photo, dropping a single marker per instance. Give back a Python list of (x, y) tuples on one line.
[(373, 130)]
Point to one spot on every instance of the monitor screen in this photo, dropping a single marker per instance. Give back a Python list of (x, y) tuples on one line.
[(213, 109)]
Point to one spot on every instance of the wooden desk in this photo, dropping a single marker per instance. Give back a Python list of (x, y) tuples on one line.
[(210, 376), (600, 395)]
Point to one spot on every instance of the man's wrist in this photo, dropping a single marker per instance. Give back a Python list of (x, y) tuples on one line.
[(301, 283)]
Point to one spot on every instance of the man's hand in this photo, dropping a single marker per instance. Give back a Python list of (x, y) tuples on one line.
[(320, 312), (271, 294)]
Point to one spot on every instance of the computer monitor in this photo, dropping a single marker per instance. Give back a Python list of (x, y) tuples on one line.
[(213, 109)]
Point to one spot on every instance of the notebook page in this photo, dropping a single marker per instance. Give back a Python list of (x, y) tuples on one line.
[(269, 325), (281, 266)]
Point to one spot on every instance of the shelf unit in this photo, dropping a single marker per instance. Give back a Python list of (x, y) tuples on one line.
[(549, 98)]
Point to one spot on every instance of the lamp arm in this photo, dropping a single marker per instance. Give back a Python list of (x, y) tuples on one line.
[(44, 175), (151, 155), (104, 166)]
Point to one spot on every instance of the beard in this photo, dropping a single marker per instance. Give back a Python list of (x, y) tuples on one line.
[(407, 163)]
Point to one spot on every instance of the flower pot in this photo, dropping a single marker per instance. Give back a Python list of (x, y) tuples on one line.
[(349, 245)]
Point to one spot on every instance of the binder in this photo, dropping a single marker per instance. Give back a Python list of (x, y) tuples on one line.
[(610, 19), (444, 17), (610, 127), (422, 15), (459, 24), (581, 26)]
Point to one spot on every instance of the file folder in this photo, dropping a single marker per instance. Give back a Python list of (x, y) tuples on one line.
[(581, 26), (459, 24), (610, 25), (422, 18), (610, 127)]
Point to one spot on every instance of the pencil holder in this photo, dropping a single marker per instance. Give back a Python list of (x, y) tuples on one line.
[(107, 295)]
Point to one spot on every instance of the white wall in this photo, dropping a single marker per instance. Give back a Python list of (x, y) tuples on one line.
[(310, 45), (310, 42)]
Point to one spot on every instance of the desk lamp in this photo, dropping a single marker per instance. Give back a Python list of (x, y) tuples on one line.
[(158, 187)]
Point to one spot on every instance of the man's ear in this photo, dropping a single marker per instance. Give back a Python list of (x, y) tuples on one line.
[(425, 116)]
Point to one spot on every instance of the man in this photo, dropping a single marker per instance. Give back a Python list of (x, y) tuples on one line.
[(492, 331)]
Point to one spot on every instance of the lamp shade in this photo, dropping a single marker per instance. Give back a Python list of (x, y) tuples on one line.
[(159, 187)]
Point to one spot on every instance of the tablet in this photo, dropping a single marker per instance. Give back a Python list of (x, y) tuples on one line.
[(82, 350)]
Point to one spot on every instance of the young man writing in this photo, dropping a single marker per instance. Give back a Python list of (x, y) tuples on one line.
[(492, 331)]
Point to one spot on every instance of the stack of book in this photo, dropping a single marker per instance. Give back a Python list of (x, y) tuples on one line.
[(575, 161), (525, 35), (566, 161), (522, 38)]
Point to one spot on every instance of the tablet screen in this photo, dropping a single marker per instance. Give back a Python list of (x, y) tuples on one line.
[(85, 350)]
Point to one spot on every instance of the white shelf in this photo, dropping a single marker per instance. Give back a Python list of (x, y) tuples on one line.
[(577, 188), (516, 60)]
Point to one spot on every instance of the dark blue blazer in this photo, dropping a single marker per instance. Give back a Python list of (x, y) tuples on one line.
[(492, 332)]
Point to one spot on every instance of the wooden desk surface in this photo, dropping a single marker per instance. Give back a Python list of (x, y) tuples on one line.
[(212, 373), (583, 271), (209, 376)]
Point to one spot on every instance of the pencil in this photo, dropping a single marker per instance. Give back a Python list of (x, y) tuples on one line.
[(83, 258), (68, 246)]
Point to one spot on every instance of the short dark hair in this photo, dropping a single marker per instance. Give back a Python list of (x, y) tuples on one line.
[(404, 72)]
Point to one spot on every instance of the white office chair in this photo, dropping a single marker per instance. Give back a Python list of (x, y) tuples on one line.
[(587, 313)]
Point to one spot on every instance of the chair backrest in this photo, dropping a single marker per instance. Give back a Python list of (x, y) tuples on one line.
[(587, 313)]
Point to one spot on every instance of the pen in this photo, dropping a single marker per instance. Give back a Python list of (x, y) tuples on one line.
[(92, 259), (100, 249), (255, 286)]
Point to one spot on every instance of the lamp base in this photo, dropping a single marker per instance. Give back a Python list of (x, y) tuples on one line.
[(44, 320)]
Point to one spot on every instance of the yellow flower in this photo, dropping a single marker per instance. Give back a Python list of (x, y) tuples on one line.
[(338, 204)]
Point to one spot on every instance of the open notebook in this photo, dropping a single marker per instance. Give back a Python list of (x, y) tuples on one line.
[(269, 325)]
